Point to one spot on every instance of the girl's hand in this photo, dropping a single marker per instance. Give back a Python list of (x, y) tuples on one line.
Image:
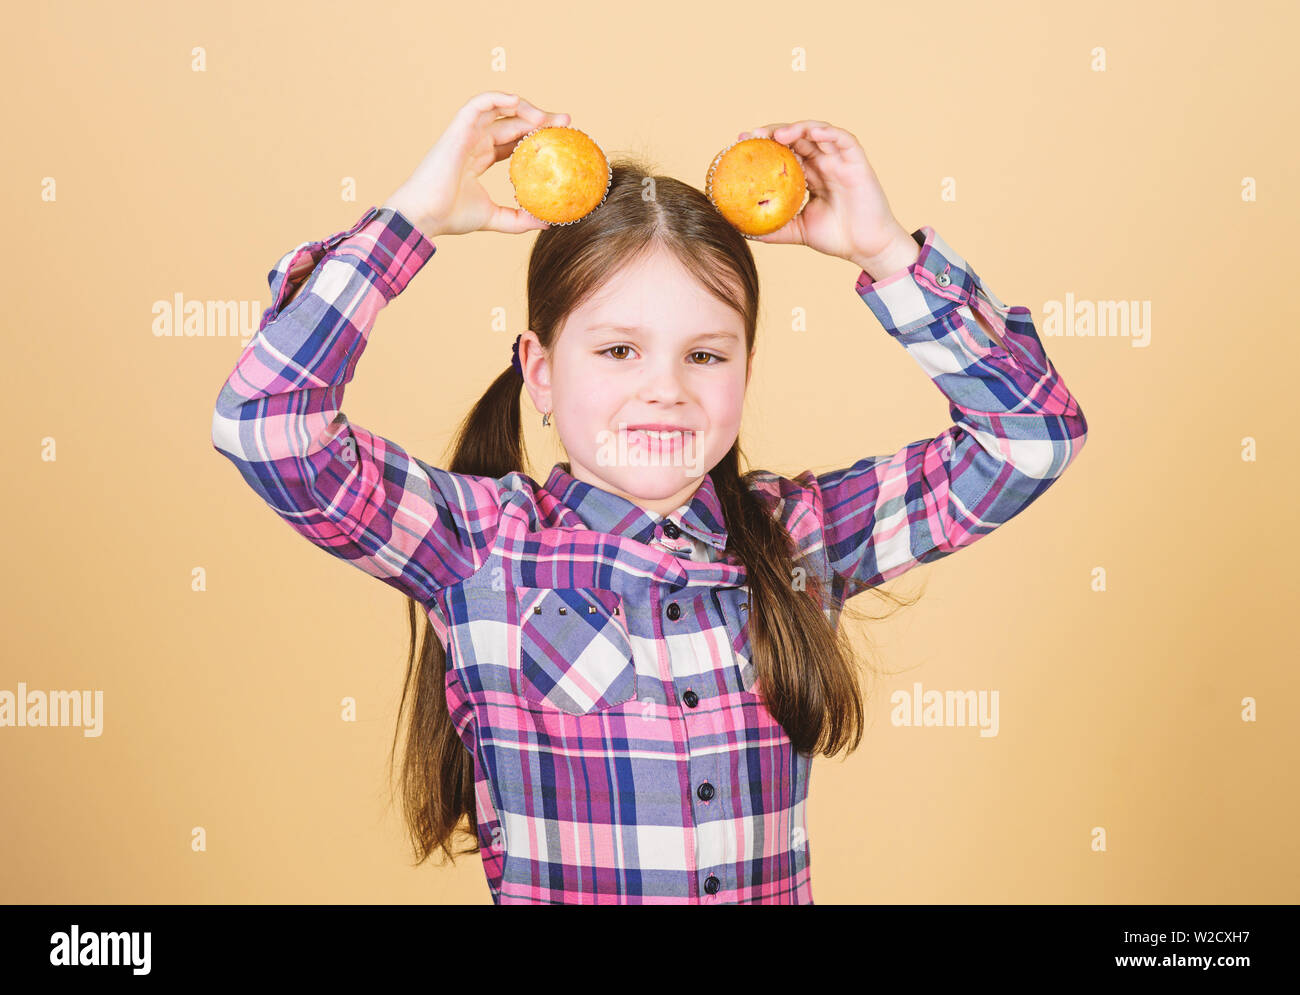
[(444, 196), (846, 215)]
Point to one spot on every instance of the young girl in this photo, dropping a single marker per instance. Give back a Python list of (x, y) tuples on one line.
[(627, 669)]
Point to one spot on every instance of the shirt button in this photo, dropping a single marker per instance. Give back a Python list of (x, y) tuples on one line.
[(671, 530), (691, 698), (943, 279), (705, 791), (712, 884), (674, 612)]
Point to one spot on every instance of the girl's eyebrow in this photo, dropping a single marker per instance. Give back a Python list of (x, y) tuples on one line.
[(710, 336)]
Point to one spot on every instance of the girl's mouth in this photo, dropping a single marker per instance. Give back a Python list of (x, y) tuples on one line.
[(649, 437)]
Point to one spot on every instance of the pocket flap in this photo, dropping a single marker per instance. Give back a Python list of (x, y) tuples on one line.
[(574, 651)]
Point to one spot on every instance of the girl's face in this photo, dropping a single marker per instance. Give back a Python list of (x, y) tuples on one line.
[(652, 347)]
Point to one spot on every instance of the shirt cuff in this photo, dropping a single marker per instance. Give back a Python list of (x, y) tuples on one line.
[(385, 239), (390, 244), (937, 282)]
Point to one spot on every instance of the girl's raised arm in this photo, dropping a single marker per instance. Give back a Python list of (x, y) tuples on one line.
[(278, 416), (1016, 427), (357, 495)]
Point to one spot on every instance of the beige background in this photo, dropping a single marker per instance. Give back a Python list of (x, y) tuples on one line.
[(1119, 709)]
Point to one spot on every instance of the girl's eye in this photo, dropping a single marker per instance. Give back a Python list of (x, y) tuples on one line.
[(703, 353), (699, 352)]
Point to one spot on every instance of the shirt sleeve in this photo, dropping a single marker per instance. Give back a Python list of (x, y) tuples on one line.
[(278, 418), (1015, 429)]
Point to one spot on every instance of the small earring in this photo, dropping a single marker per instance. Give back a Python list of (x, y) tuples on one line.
[(546, 419)]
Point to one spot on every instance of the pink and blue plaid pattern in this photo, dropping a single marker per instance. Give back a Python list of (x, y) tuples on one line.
[(598, 662)]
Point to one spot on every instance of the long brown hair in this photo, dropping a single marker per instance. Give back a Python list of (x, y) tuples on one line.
[(802, 658)]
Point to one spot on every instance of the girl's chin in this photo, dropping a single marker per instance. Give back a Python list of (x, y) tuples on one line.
[(654, 481)]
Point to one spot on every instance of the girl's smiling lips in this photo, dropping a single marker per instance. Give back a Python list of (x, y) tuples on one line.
[(659, 427)]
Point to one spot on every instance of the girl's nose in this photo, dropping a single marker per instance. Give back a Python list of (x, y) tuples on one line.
[(662, 384)]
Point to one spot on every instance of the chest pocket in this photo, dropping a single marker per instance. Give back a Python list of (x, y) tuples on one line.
[(733, 603), (574, 651)]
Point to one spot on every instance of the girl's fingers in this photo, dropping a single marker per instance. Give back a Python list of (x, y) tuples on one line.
[(843, 140), (538, 116), (488, 105), (787, 234), (490, 98), (527, 119), (805, 147), (508, 130), (793, 137), (805, 136), (513, 221), (763, 132), (535, 116), (840, 142), (807, 139), (508, 105), (505, 150)]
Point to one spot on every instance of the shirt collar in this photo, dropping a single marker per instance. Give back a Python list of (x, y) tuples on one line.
[(604, 511)]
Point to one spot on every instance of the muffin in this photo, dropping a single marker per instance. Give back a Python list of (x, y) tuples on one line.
[(757, 185), (559, 174)]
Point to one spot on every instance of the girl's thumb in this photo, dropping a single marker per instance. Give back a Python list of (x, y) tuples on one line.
[(514, 221)]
